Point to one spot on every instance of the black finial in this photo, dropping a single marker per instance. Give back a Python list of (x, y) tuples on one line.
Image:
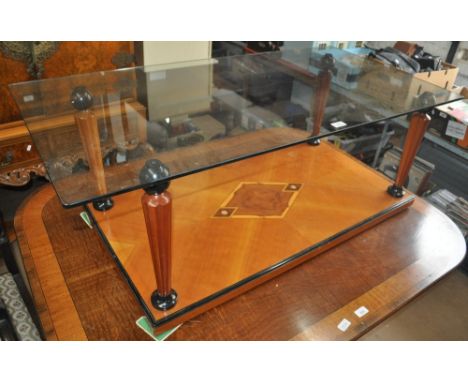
[(426, 99), (327, 62), (152, 173), (81, 98)]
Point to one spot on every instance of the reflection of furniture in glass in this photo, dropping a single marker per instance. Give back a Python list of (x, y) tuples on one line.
[(32, 60), (26, 60), (234, 224), (18, 157), (418, 177)]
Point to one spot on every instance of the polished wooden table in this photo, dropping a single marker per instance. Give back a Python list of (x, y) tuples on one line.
[(80, 293)]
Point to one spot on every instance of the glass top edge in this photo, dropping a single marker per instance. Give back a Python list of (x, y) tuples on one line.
[(250, 155), (144, 68), (187, 97), (185, 173)]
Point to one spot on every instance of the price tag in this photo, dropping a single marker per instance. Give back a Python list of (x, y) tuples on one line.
[(157, 76), (338, 124), (456, 130), (344, 325), (361, 311)]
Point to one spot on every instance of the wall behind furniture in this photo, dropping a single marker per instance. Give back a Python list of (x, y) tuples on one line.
[(190, 88), (165, 52)]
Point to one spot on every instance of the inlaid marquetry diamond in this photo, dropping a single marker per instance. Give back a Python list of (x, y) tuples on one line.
[(259, 200)]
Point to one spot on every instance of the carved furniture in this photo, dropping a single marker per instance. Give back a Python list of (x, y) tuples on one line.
[(18, 156), (219, 214)]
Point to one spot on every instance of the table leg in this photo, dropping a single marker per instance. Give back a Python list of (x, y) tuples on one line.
[(417, 128), (86, 121), (157, 208), (321, 96)]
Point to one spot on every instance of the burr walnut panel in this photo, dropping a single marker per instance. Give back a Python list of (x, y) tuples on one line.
[(70, 57)]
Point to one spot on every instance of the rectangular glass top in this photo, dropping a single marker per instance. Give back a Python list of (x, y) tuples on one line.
[(105, 133)]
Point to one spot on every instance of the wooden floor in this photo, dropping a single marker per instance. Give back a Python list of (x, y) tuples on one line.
[(305, 195)]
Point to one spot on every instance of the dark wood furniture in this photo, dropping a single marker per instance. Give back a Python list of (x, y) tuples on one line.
[(72, 276), (5, 251), (18, 156), (24, 61), (29, 60)]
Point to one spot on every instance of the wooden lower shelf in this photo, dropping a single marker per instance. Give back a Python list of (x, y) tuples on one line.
[(241, 224)]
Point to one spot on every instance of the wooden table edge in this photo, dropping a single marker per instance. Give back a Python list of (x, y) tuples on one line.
[(327, 328), (34, 242), (324, 329)]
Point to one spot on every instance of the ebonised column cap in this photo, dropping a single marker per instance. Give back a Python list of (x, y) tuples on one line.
[(81, 98), (153, 173), (426, 99), (328, 62)]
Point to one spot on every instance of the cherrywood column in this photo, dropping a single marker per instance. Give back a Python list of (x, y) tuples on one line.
[(327, 64), (87, 126), (417, 128), (157, 209), (85, 119)]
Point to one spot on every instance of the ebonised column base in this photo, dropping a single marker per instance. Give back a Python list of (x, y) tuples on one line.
[(396, 191), (103, 204), (314, 142), (164, 302)]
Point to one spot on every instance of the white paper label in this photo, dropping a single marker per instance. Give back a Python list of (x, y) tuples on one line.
[(28, 98), (156, 76), (28, 148), (456, 130), (344, 325), (338, 124), (361, 312)]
